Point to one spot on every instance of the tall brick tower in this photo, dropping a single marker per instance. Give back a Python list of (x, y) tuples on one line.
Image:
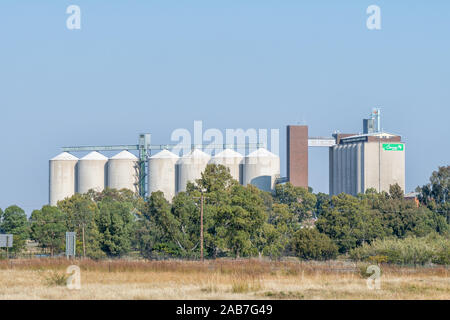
[(297, 155)]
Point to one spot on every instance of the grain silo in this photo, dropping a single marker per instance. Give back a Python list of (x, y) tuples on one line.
[(261, 169), (91, 172), (232, 160), (162, 173), (123, 171), (62, 177), (190, 168), (373, 160)]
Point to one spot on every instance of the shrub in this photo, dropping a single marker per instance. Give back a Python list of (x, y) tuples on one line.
[(378, 259), (363, 271), (56, 278), (411, 250), (244, 285), (310, 244)]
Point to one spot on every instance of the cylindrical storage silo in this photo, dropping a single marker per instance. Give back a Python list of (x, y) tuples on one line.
[(162, 173), (62, 177), (91, 172), (341, 164), (347, 167), (335, 170), (261, 169), (232, 160), (354, 190), (359, 181), (123, 171), (190, 168)]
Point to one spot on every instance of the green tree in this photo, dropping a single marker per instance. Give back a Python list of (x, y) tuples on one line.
[(310, 244), (158, 229), (81, 217), (116, 224), (215, 178), (395, 191), (14, 221), (300, 201), (435, 195), (350, 222), (216, 184), (323, 201), (440, 184), (123, 195), (402, 218), (48, 227), (282, 223), (238, 222), (186, 211)]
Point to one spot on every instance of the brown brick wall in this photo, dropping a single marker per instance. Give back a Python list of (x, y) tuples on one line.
[(297, 155)]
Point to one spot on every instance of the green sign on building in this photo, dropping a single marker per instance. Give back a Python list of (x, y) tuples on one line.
[(393, 146)]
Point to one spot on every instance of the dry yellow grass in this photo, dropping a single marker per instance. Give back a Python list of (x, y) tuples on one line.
[(221, 279)]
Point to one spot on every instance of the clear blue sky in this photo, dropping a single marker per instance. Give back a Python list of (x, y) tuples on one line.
[(154, 66)]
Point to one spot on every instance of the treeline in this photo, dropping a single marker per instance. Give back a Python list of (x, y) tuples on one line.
[(241, 222)]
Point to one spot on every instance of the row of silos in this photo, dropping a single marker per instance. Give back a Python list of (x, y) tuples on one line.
[(170, 174), (167, 172), (69, 175)]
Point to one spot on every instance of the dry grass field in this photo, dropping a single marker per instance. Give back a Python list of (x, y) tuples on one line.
[(220, 279)]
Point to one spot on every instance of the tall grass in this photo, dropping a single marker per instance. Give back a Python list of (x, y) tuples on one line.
[(411, 250), (252, 268), (216, 279), (55, 278)]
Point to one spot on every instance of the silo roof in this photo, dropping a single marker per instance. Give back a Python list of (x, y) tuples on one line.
[(262, 152), (196, 153), (124, 155), (65, 156), (164, 154), (94, 155), (228, 153)]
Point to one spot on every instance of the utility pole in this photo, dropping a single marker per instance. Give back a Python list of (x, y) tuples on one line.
[(201, 223), (84, 246), (379, 163), (201, 227)]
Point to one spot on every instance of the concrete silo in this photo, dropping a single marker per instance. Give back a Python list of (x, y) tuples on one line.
[(162, 173), (62, 177), (261, 169), (123, 171), (91, 172), (190, 168), (232, 160), (360, 162)]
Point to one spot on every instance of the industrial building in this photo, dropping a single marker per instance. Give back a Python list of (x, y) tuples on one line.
[(357, 162), (165, 171), (374, 159), (371, 160)]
